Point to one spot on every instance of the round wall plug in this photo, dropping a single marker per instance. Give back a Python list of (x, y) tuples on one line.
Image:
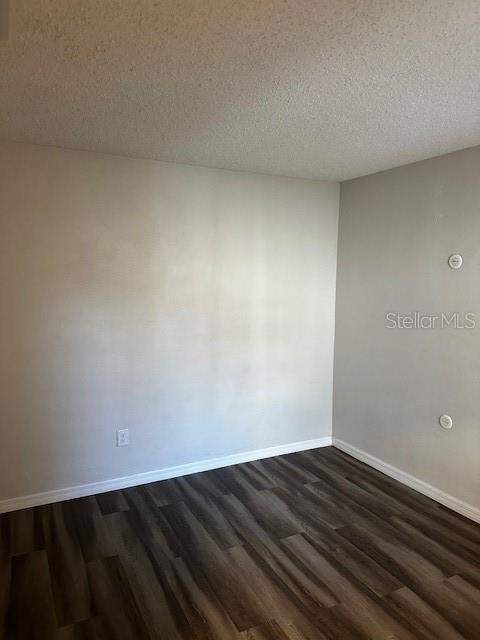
[(445, 421)]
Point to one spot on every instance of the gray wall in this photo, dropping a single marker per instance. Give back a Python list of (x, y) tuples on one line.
[(396, 231), (193, 306)]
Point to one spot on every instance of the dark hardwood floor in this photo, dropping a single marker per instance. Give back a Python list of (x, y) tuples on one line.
[(311, 545)]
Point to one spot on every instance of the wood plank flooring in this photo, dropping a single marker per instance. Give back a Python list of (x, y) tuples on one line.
[(312, 545)]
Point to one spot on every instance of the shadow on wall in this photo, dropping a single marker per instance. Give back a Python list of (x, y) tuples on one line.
[(191, 306)]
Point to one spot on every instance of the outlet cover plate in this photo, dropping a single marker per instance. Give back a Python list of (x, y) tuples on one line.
[(123, 438)]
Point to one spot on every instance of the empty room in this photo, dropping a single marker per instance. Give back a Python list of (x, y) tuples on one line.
[(240, 320)]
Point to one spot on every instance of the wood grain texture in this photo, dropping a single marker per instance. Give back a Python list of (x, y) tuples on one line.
[(307, 546)]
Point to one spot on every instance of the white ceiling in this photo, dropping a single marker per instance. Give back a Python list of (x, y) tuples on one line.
[(316, 89)]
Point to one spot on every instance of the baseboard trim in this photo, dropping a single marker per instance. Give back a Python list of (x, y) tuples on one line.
[(465, 509), (79, 491)]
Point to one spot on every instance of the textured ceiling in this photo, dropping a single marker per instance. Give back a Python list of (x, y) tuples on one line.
[(317, 89)]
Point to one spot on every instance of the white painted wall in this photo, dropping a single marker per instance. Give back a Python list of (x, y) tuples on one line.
[(397, 229), (193, 306)]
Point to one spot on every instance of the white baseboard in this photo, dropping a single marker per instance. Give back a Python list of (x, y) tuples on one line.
[(79, 491), (465, 509)]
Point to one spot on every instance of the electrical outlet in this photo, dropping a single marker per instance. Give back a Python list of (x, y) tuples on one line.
[(123, 438)]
